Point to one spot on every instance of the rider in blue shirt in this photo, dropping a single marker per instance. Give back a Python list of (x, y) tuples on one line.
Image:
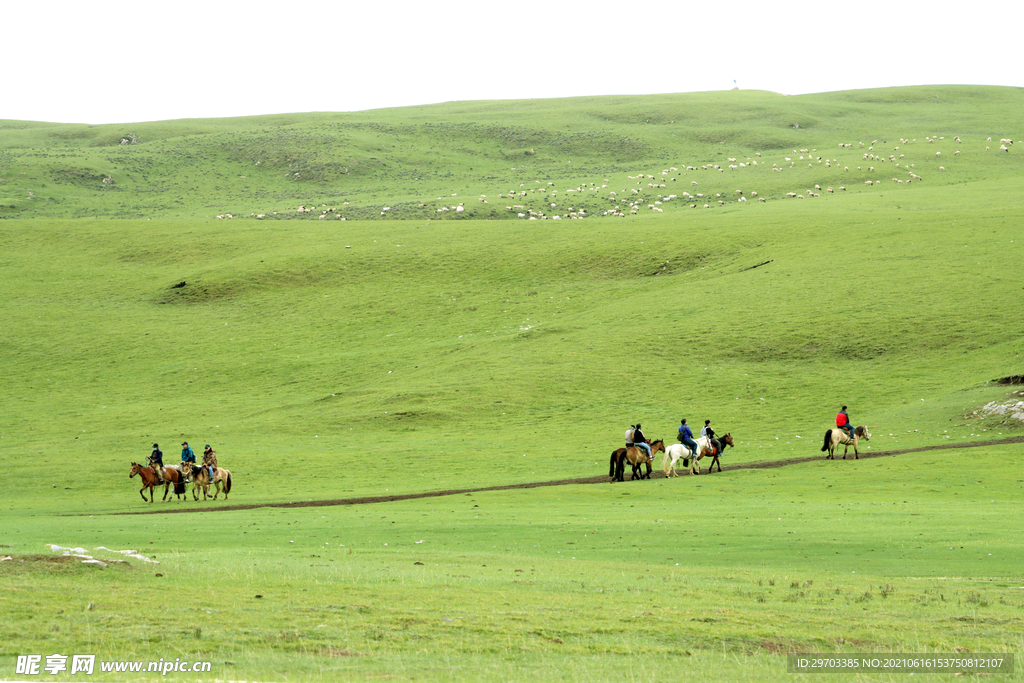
[(187, 456), (686, 437)]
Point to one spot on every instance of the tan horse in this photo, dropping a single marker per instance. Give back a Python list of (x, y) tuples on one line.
[(221, 482), (834, 438), (201, 480), (637, 457)]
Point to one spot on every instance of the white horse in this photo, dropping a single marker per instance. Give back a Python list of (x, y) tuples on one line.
[(677, 450)]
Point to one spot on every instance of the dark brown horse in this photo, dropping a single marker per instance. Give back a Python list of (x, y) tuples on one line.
[(726, 440), (637, 458)]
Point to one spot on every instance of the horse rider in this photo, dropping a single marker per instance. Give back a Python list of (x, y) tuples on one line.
[(640, 441), (686, 437), (707, 431), (210, 460), (188, 458), (156, 461), (843, 422)]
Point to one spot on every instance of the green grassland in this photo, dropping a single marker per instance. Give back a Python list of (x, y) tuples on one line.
[(416, 349)]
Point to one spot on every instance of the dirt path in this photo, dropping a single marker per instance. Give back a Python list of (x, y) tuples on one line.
[(600, 479)]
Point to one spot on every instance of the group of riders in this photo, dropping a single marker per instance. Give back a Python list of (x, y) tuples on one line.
[(635, 437), (188, 458)]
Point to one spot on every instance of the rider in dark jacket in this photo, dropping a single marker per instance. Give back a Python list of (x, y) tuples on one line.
[(710, 433), (640, 441), (156, 461)]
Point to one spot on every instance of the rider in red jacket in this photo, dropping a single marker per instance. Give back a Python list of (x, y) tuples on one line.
[(843, 422)]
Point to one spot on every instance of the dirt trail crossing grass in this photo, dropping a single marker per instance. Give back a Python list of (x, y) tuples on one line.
[(656, 474)]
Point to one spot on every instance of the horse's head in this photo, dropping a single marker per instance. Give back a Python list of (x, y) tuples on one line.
[(863, 433), (656, 446), (136, 468), (728, 439)]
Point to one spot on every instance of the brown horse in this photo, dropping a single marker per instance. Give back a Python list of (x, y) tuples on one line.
[(834, 438), (726, 440), (637, 458), (201, 479), (173, 475), (148, 477)]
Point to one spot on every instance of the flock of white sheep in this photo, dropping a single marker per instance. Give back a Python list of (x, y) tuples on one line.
[(644, 190)]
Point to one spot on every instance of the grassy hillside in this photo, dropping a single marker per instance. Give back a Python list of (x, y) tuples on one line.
[(419, 161), (330, 359)]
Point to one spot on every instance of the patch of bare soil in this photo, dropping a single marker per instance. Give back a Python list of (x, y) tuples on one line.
[(600, 479)]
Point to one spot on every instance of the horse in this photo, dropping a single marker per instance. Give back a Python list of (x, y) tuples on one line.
[(726, 440), (173, 475), (221, 482), (704, 447), (201, 479), (637, 458), (836, 437), (148, 477)]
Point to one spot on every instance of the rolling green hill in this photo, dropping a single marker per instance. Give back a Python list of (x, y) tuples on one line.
[(424, 162), (414, 347)]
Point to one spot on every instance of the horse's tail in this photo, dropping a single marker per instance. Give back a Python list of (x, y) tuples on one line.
[(828, 438), (227, 484), (612, 463)]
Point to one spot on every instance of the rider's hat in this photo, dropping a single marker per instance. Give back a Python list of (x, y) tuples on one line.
[(207, 445), (184, 443), (155, 446)]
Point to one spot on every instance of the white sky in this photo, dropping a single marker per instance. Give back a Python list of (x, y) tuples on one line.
[(116, 61)]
